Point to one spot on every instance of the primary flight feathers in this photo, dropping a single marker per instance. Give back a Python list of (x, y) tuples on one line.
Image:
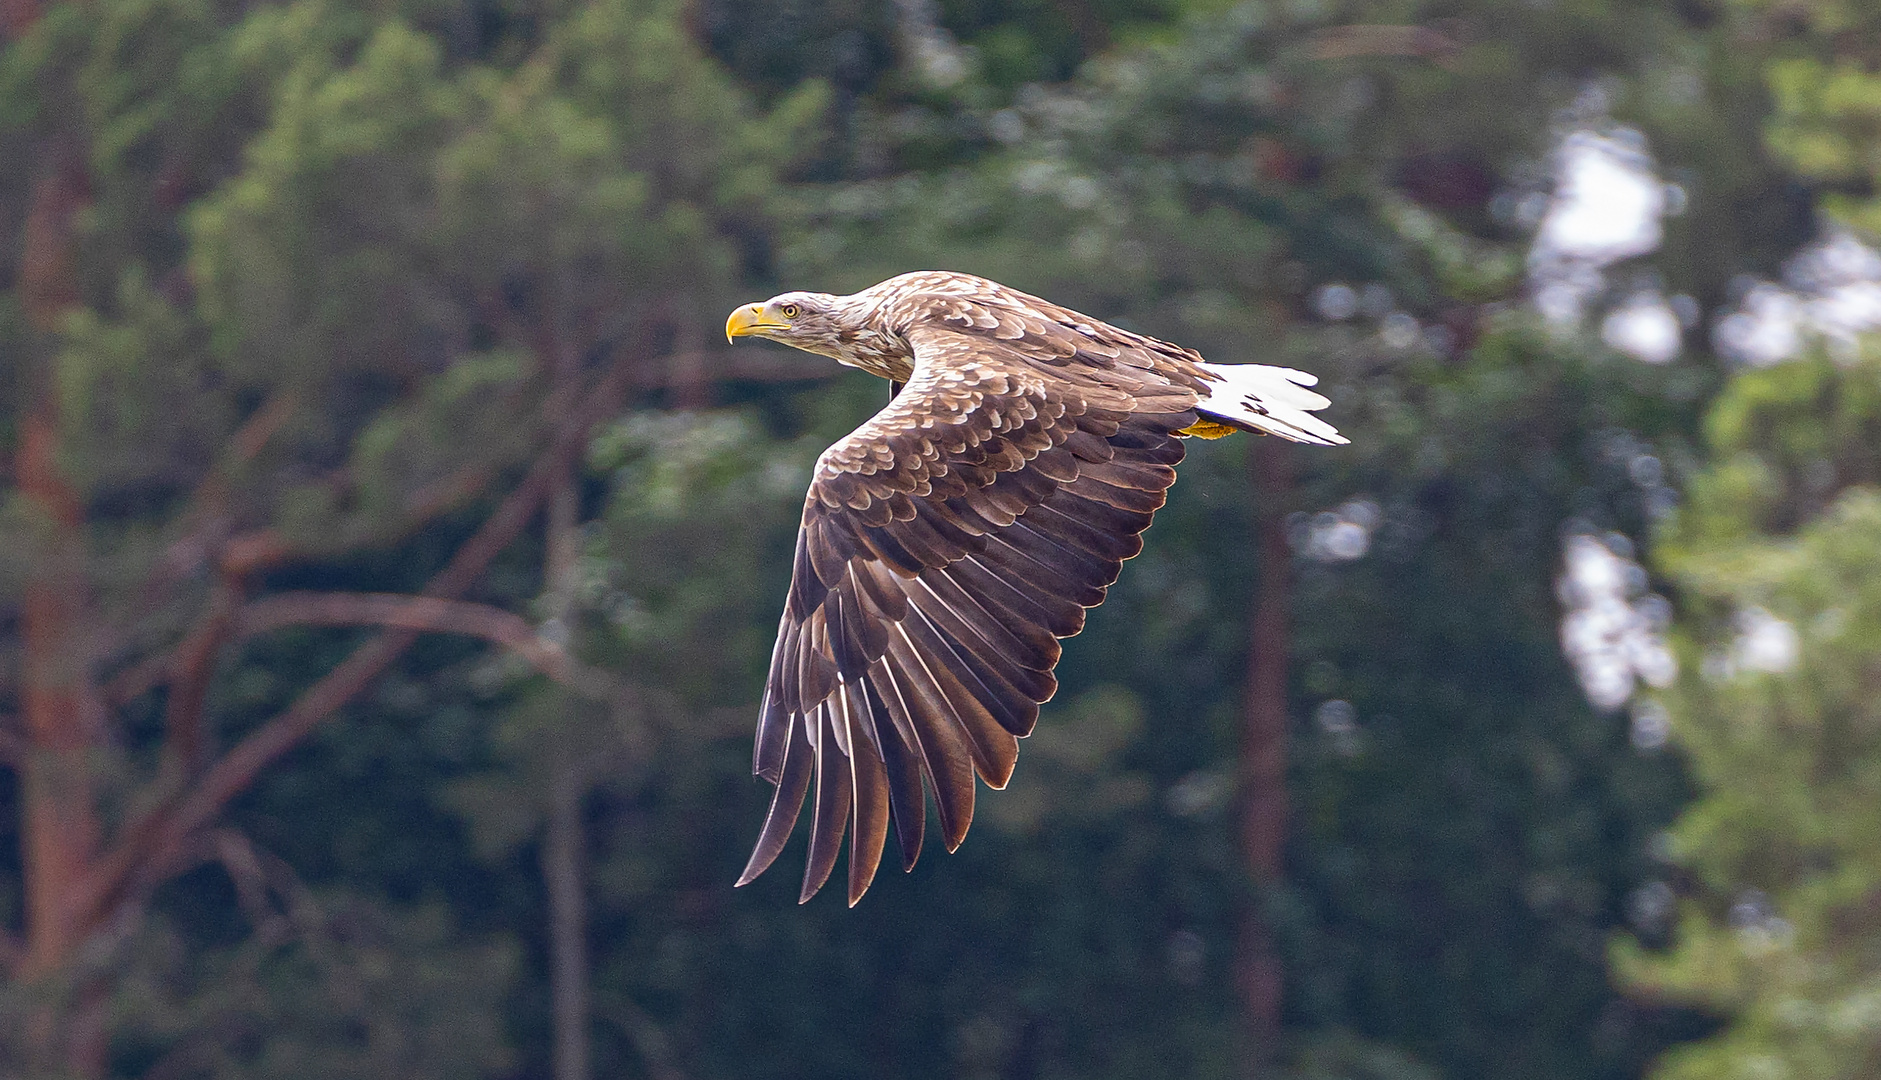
[(953, 539)]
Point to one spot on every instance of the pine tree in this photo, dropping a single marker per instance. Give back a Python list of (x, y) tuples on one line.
[(1772, 869), (298, 288)]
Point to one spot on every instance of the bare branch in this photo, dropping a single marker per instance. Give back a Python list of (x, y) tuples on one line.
[(206, 510), (195, 664), (252, 437), (137, 680), (427, 613), (446, 493), (244, 553), (255, 874), (143, 845), (1343, 42), (258, 549), (242, 863), (648, 1038)]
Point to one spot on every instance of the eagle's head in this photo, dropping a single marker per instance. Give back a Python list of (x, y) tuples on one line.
[(843, 328)]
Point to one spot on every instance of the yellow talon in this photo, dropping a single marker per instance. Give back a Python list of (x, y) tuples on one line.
[(1208, 429)]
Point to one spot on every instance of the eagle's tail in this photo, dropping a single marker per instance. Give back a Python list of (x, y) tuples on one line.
[(1256, 397)]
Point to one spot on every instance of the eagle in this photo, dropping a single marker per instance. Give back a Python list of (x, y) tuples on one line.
[(950, 542)]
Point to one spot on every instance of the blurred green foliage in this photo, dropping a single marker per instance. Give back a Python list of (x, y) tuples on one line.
[(1775, 923), (382, 236)]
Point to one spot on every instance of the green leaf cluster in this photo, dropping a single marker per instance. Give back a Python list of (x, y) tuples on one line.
[(1775, 926)]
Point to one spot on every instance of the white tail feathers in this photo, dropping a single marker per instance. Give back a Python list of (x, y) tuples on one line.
[(1271, 399)]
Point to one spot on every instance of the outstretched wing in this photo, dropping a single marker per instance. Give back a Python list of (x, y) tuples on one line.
[(947, 545)]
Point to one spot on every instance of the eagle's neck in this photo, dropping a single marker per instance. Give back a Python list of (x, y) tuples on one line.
[(866, 339)]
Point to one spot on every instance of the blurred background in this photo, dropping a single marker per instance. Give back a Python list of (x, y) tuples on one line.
[(390, 550)]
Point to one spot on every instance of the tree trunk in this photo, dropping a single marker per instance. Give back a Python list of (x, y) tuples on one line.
[(63, 716), (1264, 746), (564, 874), (564, 870), (61, 833)]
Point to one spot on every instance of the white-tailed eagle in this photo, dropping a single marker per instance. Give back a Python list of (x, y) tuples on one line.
[(953, 539)]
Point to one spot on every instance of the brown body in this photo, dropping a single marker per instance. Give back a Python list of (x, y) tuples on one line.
[(953, 539)]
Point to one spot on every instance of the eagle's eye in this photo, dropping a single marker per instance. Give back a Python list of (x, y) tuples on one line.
[(790, 310)]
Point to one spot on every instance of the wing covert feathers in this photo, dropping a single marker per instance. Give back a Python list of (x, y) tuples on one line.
[(949, 543)]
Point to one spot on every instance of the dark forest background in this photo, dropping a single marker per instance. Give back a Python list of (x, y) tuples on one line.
[(390, 549)]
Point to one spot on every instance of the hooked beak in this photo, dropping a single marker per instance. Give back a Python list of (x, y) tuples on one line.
[(750, 320)]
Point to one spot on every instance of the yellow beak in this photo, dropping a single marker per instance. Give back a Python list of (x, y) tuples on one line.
[(749, 320)]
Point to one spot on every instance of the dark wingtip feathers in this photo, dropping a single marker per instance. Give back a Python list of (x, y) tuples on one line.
[(831, 817), (786, 804)]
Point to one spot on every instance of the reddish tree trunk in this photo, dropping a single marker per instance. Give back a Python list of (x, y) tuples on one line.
[(63, 719), (1264, 742), (61, 825), (48, 279)]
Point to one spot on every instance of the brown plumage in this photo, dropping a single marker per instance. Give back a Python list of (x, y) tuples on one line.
[(953, 539)]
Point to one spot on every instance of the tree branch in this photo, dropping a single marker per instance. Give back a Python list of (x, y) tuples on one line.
[(426, 613), (137, 680), (444, 494), (247, 552), (194, 666), (242, 862), (648, 1038), (144, 844), (1344, 42), (206, 539), (244, 553), (206, 509)]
